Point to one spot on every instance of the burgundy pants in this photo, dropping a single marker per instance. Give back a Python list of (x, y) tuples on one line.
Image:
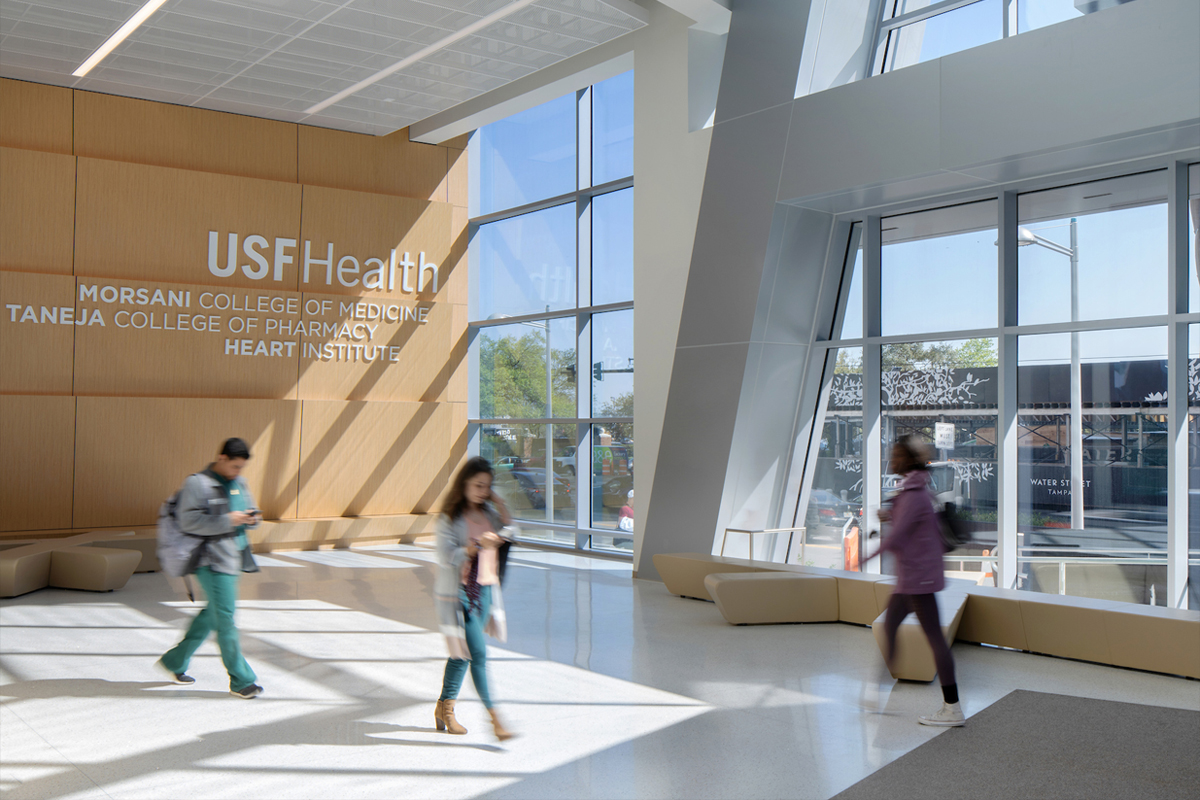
[(925, 606)]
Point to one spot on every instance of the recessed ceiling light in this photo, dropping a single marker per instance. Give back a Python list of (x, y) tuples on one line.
[(111, 43)]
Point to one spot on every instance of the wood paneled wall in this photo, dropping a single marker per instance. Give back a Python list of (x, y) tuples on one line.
[(125, 359)]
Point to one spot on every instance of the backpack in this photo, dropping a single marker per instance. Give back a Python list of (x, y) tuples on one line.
[(952, 527), (178, 552)]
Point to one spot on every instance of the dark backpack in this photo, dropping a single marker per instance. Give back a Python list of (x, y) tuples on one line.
[(952, 527)]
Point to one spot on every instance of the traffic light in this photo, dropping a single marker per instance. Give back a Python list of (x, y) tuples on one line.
[(598, 371)]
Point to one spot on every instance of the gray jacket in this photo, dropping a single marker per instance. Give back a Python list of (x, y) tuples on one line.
[(452, 550), (203, 510)]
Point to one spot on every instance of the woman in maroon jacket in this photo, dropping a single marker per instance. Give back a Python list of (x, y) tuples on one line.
[(915, 541)]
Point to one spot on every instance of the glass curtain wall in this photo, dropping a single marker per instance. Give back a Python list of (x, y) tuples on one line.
[(833, 520), (915, 31), (915, 349), (551, 309)]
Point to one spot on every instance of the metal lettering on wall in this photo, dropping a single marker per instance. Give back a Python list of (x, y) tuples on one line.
[(268, 324)]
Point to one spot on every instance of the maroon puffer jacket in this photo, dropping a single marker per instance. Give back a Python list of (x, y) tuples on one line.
[(915, 539)]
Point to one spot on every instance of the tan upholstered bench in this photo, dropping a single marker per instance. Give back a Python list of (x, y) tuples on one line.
[(993, 616), (1155, 639), (858, 596), (93, 569), (1101, 631), (914, 658), (145, 542), (23, 570), (684, 573), (764, 598), (1068, 627)]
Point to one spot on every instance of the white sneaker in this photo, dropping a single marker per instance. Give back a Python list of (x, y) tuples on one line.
[(950, 715)]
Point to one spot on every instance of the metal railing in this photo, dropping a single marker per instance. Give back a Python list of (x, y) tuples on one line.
[(1133, 556), (751, 532)]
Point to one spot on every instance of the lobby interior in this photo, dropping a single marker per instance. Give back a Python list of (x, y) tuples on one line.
[(829, 222)]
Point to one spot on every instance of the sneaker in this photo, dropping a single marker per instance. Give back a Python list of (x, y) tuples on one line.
[(251, 691), (950, 715), (178, 677)]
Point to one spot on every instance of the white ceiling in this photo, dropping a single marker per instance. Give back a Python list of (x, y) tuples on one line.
[(277, 58)]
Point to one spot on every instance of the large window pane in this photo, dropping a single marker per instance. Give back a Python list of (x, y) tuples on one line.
[(512, 371), (612, 129), (527, 157), (948, 388), (564, 369), (851, 322), (612, 479), (938, 270), (946, 33), (513, 375), (1092, 470), (1093, 251), (612, 364), (612, 248), (833, 516), (518, 455), (1033, 14), (526, 265)]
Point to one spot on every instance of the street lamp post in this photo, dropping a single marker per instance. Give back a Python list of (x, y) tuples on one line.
[(1027, 237)]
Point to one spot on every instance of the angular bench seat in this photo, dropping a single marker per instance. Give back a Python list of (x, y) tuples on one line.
[(1068, 627), (93, 569), (766, 598), (1101, 631), (1155, 639), (684, 573), (143, 541), (993, 616), (914, 657), (24, 570)]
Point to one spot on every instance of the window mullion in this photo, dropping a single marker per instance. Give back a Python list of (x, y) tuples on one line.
[(1177, 387), (871, 433)]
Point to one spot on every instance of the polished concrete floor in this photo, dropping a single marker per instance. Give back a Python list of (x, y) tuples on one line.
[(617, 689)]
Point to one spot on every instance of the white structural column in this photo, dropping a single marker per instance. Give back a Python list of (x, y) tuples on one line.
[(872, 444), (1177, 389), (1077, 486), (1007, 427)]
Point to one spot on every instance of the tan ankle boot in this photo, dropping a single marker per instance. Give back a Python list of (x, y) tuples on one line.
[(502, 733), (443, 715)]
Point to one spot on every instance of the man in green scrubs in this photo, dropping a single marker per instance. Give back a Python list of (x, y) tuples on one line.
[(217, 505)]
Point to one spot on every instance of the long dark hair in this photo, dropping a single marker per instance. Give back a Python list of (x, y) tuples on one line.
[(456, 501), (916, 451)]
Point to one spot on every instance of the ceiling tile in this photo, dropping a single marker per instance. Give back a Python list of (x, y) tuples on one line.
[(276, 58)]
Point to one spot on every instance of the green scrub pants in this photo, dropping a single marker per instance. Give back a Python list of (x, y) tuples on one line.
[(221, 590)]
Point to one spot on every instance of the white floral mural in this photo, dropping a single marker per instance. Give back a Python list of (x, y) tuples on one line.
[(847, 390), (967, 471), (852, 465), (932, 387), (973, 471)]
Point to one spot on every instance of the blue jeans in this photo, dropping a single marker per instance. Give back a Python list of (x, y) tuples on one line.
[(456, 668)]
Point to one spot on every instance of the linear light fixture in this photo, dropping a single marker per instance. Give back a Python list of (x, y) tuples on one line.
[(111, 43), (477, 25)]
